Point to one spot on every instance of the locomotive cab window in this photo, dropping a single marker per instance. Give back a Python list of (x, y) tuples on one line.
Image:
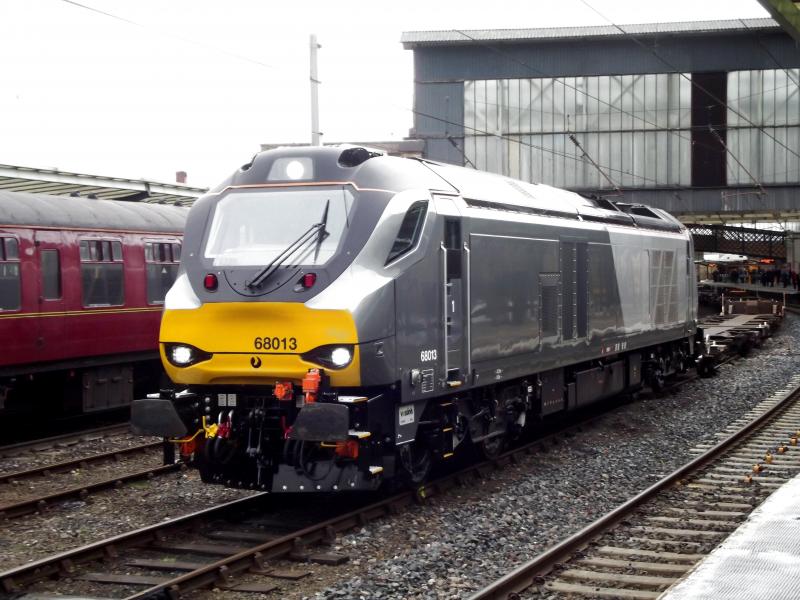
[(10, 287), (410, 230), (102, 273), (162, 260), (253, 228)]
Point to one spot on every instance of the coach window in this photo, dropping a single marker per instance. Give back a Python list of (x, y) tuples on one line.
[(10, 288), (162, 260), (102, 273), (51, 275)]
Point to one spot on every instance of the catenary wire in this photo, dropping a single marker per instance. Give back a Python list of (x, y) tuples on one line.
[(136, 24), (534, 146), (691, 81), (506, 138), (696, 85), (562, 81), (171, 35)]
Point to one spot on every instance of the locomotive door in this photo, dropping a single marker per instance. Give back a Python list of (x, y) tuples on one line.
[(50, 342), (454, 294)]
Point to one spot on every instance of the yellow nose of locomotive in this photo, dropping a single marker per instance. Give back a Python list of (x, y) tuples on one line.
[(258, 343)]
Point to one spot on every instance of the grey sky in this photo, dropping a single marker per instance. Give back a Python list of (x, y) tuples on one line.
[(198, 85)]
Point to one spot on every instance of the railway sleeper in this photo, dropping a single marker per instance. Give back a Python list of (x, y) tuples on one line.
[(758, 475), (775, 461), (646, 567), (723, 525), (660, 543), (679, 533), (645, 581), (635, 553), (707, 513), (600, 592)]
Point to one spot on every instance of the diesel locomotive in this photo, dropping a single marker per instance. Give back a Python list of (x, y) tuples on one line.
[(342, 319)]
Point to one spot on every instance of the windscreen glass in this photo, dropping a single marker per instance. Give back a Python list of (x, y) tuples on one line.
[(252, 228)]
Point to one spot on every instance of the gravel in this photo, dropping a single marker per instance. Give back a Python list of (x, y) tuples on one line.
[(459, 542), (470, 537), (104, 514), (71, 451)]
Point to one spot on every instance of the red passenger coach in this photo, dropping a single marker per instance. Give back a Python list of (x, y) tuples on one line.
[(82, 285)]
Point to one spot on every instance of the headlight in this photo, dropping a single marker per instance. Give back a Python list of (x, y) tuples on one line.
[(332, 356), (341, 357), (183, 355)]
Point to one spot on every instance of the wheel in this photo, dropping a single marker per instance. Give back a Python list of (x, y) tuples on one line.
[(744, 347), (656, 379), (415, 463), (492, 447), (681, 363), (705, 367)]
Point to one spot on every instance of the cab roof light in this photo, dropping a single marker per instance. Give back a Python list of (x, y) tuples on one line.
[(291, 168)]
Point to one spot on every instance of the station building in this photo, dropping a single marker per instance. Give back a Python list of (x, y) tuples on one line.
[(700, 118)]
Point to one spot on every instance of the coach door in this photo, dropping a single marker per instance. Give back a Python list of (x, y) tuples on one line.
[(50, 322), (455, 295)]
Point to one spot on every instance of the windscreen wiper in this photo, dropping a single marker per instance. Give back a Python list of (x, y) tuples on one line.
[(317, 229), (323, 233)]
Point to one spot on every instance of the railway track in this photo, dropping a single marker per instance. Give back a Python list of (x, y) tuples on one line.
[(77, 463), (217, 546), (42, 502), (202, 550), (38, 502), (648, 543), (63, 440)]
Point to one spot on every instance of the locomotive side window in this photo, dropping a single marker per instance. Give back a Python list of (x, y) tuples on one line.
[(102, 273), (10, 288), (410, 230), (162, 260), (51, 274)]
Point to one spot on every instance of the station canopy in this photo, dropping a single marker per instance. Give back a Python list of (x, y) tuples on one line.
[(63, 183), (786, 13)]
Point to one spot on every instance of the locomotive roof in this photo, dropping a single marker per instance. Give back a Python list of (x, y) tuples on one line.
[(41, 210), (370, 168)]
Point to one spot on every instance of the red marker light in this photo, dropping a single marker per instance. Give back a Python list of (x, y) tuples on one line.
[(210, 282), (309, 279)]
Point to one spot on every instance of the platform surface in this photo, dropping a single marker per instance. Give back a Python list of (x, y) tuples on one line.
[(759, 561), (750, 287)]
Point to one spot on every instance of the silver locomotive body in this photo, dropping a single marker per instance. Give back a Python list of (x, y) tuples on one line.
[(428, 309)]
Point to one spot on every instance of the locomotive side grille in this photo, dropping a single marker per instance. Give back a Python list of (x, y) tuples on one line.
[(582, 288), (549, 284), (568, 290)]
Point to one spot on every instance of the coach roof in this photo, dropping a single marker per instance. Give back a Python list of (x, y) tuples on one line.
[(40, 210)]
